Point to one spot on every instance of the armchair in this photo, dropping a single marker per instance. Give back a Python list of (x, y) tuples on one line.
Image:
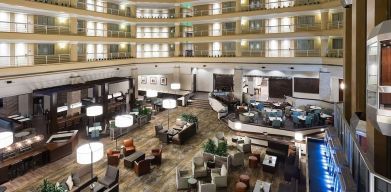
[(113, 157), (142, 167), (181, 179), (198, 167), (159, 130), (129, 147), (238, 159), (157, 153), (206, 187), (111, 177), (245, 147), (220, 176)]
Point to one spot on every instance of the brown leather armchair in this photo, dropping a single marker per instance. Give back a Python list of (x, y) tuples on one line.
[(142, 167), (113, 157), (157, 153), (129, 147)]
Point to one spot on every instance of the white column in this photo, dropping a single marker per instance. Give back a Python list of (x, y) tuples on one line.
[(238, 84), (134, 74), (177, 30), (324, 46), (238, 27), (177, 52), (325, 85), (73, 25), (12, 54), (133, 50), (73, 52), (12, 22), (250, 83), (238, 48), (324, 20)]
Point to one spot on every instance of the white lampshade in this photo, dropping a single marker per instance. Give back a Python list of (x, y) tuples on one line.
[(124, 121), (6, 139), (94, 111), (89, 153), (151, 93), (169, 103), (175, 86), (299, 136), (238, 125)]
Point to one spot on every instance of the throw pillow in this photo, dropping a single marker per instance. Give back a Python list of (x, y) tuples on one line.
[(57, 184), (223, 171), (69, 183), (64, 186)]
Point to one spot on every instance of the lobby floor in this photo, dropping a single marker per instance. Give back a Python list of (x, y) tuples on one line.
[(161, 178)]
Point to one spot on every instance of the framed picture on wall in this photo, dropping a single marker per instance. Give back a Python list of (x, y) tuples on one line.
[(152, 80), (143, 80), (163, 81)]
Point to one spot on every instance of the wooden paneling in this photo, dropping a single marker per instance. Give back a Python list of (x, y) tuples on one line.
[(10, 106), (278, 88), (307, 85), (385, 76), (223, 82)]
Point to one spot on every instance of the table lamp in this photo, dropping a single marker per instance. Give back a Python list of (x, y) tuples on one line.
[(89, 153)]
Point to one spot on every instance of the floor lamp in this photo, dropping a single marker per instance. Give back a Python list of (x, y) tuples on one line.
[(89, 153), (122, 121), (93, 111), (6, 139), (151, 94), (298, 139), (169, 104)]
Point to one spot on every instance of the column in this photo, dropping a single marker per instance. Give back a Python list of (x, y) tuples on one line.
[(324, 45), (238, 84), (134, 75), (73, 97), (74, 3), (238, 48), (177, 30), (176, 74), (73, 25), (12, 22), (73, 52), (177, 11), (12, 54), (238, 27), (177, 52), (324, 20), (324, 86), (30, 21), (347, 63), (133, 11), (133, 30), (238, 6), (250, 83), (376, 12), (133, 50), (30, 53)]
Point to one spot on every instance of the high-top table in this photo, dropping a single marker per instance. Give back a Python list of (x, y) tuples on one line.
[(269, 164)]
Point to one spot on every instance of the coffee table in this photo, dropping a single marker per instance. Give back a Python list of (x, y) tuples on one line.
[(269, 163), (136, 156), (98, 187), (192, 183)]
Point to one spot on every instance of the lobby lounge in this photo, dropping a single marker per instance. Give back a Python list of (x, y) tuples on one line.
[(204, 96)]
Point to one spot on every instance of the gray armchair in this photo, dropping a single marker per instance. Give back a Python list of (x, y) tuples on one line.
[(181, 179), (111, 177), (206, 187), (245, 147), (198, 167), (237, 159), (220, 176)]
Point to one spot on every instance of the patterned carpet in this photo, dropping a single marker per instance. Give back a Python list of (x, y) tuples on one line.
[(161, 178)]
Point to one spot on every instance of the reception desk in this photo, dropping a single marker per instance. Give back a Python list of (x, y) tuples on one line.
[(62, 144)]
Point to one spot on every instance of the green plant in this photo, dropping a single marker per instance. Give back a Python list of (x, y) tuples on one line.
[(209, 146), (145, 111), (221, 149), (190, 118), (47, 186)]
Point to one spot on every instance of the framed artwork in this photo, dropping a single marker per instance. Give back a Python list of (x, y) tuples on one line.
[(163, 80), (152, 80), (143, 80)]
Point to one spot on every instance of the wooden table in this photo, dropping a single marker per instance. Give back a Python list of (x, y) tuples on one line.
[(269, 164), (136, 156)]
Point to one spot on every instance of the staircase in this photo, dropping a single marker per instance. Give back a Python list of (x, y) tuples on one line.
[(199, 103)]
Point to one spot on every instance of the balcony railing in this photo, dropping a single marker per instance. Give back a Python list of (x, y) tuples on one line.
[(16, 61), (335, 25), (336, 53), (253, 53), (126, 13), (155, 34), (103, 33), (206, 33), (208, 53), (90, 57), (49, 59), (283, 28), (153, 54), (16, 27)]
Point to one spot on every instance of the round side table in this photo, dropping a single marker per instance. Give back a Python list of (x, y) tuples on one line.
[(240, 187), (192, 183), (245, 179), (252, 162)]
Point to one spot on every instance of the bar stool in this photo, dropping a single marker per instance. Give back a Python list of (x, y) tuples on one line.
[(252, 162)]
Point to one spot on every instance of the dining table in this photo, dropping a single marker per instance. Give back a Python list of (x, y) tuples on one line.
[(275, 118), (302, 117)]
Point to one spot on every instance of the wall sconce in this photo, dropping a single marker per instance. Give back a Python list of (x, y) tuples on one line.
[(342, 85), (62, 19), (122, 26), (122, 7), (62, 45)]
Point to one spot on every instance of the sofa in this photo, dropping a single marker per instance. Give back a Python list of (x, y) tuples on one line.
[(218, 160), (113, 157), (245, 147), (206, 187), (128, 147), (81, 179), (237, 159), (157, 153), (181, 179), (111, 177), (277, 149), (219, 107), (220, 176), (186, 133), (198, 167), (142, 167), (291, 166)]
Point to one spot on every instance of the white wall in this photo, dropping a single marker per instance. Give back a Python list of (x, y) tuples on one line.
[(157, 86), (119, 87), (205, 77)]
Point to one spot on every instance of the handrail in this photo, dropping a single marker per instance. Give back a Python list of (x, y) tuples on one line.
[(103, 33), (17, 27), (152, 34), (343, 126)]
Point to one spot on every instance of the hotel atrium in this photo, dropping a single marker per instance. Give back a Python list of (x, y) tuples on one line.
[(195, 95)]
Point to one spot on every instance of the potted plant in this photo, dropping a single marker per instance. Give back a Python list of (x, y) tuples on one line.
[(209, 146), (47, 186), (222, 149), (146, 112), (190, 118)]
